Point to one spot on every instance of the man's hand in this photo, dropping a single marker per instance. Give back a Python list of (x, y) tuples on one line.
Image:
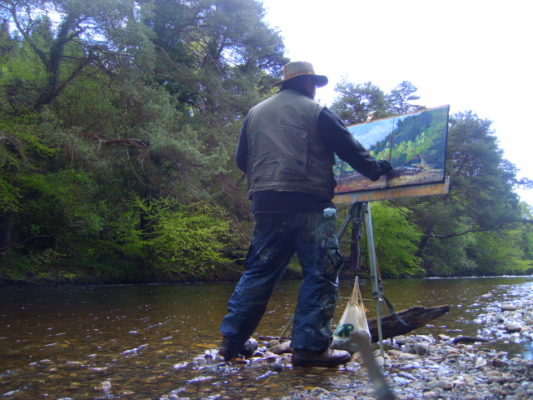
[(394, 173), (385, 167)]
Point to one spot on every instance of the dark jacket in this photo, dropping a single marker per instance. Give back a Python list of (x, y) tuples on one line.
[(325, 136), (285, 152)]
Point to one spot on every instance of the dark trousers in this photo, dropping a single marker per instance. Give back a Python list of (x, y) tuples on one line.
[(311, 235)]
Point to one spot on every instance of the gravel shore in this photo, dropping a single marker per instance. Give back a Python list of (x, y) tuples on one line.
[(427, 367), (495, 364)]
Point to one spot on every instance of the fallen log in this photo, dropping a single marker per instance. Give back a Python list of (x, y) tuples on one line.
[(415, 317)]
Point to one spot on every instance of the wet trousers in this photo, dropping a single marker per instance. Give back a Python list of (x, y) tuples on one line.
[(277, 237)]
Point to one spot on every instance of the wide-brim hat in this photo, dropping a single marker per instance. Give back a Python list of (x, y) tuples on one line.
[(301, 68)]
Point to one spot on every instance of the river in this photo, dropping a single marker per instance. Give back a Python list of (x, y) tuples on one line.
[(137, 341)]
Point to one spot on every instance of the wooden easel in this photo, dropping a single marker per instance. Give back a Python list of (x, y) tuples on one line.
[(361, 212)]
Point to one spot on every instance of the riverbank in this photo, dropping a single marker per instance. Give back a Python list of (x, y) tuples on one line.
[(228, 275), (444, 371), (444, 367), (417, 366)]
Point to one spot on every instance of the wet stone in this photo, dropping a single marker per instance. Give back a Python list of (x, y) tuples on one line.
[(98, 369), (401, 340), (401, 355), (480, 362), (104, 386), (417, 348), (10, 393), (513, 327), (180, 365), (10, 373), (277, 366), (74, 363), (509, 307), (401, 380)]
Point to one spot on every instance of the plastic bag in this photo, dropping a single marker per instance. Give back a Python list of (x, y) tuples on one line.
[(353, 320)]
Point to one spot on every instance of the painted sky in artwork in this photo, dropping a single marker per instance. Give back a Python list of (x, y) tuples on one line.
[(368, 134)]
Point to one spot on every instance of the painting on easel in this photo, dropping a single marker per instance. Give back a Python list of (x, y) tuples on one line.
[(414, 143)]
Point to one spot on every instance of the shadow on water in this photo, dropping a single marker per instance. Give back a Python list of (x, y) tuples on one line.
[(137, 341)]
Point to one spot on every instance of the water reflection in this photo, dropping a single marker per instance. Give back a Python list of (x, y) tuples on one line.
[(137, 341)]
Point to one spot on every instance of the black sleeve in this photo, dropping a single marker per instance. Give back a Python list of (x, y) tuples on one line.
[(241, 155), (338, 139)]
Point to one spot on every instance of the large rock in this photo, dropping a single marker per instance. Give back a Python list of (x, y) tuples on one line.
[(513, 327), (508, 307)]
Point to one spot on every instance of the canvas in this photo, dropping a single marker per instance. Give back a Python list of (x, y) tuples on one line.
[(414, 143)]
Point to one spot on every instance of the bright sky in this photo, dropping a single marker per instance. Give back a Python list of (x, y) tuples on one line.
[(471, 54)]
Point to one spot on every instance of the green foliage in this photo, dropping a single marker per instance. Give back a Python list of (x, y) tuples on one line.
[(356, 103), (396, 240), (175, 241), (500, 252), (9, 197), (113, 99), (21, 151), (449, 257), (21, 74), (60, 224), (481, 199), (87, 33)]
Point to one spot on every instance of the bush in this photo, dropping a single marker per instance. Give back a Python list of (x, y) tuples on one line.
[(396, 240), (176, 241)]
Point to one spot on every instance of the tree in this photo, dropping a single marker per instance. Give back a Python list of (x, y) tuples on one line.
[(87, 34), (400, 98), (356, 103), (114, 100), (481, 197), (214, 55), (479, 227)]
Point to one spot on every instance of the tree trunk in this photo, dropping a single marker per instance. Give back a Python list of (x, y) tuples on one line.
[(7, 226), (424, 240)]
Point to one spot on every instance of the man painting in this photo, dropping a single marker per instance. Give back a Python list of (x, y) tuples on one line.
[(286, 149)]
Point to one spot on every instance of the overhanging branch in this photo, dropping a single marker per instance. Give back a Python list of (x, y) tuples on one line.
[(500, 226)]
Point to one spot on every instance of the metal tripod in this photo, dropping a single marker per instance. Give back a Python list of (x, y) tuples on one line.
[(358, 212)]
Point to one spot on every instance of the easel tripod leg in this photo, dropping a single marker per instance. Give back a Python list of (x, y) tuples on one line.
[(376, 289)]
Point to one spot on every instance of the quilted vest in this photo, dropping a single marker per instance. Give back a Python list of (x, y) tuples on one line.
[(285, 152)]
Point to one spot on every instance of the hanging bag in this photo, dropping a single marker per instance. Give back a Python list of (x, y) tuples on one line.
[(353, 320)]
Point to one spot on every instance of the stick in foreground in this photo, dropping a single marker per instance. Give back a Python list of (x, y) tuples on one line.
[(381, 387)]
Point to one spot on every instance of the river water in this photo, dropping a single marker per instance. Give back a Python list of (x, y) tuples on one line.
[(138, 341)]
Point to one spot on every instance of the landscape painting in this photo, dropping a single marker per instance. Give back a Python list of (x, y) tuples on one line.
[(415, 145)]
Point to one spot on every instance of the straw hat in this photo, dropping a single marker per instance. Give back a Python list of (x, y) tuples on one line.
[(299, 68)]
